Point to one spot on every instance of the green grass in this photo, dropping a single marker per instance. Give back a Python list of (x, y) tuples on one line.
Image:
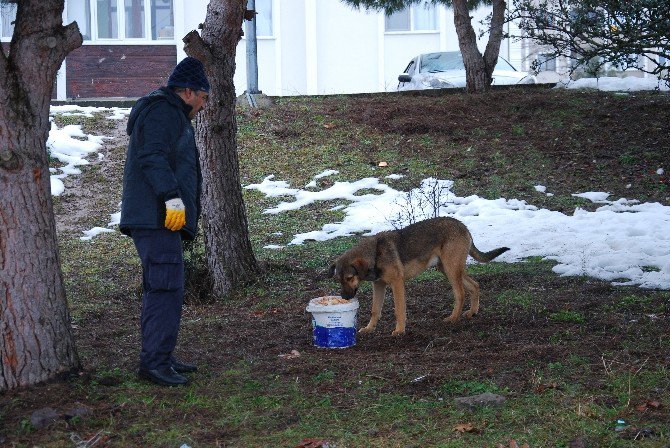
[(628, 159), (279, 417), (522, 299), (567, 316)]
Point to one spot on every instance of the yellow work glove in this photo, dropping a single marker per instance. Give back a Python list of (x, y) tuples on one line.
[(175, 214)]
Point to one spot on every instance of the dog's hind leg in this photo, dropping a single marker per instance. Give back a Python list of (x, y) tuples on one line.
[(473, 291), (455, 273), (378, 293)]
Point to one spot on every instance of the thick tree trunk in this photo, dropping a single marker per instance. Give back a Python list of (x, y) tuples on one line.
[(478, 68), (36, 341), (228, 249)]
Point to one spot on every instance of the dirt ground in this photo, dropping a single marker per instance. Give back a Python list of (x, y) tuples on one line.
[(588, 327), (506, 345)]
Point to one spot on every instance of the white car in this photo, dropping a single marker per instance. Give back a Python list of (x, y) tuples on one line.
[(445, 70)]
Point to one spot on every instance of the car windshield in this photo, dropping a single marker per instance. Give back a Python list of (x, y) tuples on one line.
[(451, 60), (441, 62)]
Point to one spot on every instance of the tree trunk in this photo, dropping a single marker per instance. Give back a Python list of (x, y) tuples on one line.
[(36, 341), (228, 249), (478, 68), (495, 37)]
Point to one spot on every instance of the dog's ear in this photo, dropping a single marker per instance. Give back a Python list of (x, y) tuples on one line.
[(331, 271), (360, 266), (363, 269), (372, 275)]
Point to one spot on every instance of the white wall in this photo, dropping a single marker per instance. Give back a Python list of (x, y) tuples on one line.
[(347, 49), (326, 47), (267, 64), (292, 45)]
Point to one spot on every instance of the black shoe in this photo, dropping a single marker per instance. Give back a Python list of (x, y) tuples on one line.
[(165, 376), (182, 367)]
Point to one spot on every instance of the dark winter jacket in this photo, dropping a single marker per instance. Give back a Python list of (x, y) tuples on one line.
[(162, 163)]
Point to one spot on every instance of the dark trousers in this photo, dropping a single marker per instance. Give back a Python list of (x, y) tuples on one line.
[(163, 281)]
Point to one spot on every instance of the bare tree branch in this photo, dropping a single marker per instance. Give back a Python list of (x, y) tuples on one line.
[(599, 33), (195, 47)]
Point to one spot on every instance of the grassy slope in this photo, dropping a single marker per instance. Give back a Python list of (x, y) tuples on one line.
[(503, 144)]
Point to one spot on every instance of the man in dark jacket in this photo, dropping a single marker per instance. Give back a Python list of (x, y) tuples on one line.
[(161, 206)]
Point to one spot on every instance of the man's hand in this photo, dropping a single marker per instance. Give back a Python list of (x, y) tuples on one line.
[(175, 214)]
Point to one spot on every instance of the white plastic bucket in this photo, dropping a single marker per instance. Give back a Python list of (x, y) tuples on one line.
[(334, 326)]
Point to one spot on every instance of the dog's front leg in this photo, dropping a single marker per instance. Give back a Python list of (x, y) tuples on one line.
[(399, 307), (378, 294)]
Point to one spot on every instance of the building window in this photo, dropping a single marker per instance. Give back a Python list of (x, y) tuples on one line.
[(419, 17), (81, 13), (398, 21), (162, 19), (546, 63), (108, 20), (630, 62), (134, 15), (7, 16), (123, 19)]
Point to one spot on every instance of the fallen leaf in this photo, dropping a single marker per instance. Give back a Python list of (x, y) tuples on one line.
[(647, 404), (383, 164), (464, 427), (542, 387), (312, 443), (329, 125), (292, 355), (262, 313)]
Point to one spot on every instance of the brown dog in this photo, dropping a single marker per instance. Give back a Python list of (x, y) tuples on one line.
[(393, 257)]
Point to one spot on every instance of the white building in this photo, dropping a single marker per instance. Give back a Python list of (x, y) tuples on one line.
[(305, 47), (325, 46)]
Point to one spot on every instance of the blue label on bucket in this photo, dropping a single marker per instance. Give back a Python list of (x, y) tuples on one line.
[(337, 337)]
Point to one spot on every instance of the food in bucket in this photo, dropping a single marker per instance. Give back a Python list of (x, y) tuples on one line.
[(331, 300)]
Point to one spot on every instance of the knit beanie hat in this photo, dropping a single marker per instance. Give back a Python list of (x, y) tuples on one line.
[(189, 73)]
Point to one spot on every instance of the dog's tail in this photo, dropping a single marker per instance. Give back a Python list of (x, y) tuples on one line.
[(484, 257)]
